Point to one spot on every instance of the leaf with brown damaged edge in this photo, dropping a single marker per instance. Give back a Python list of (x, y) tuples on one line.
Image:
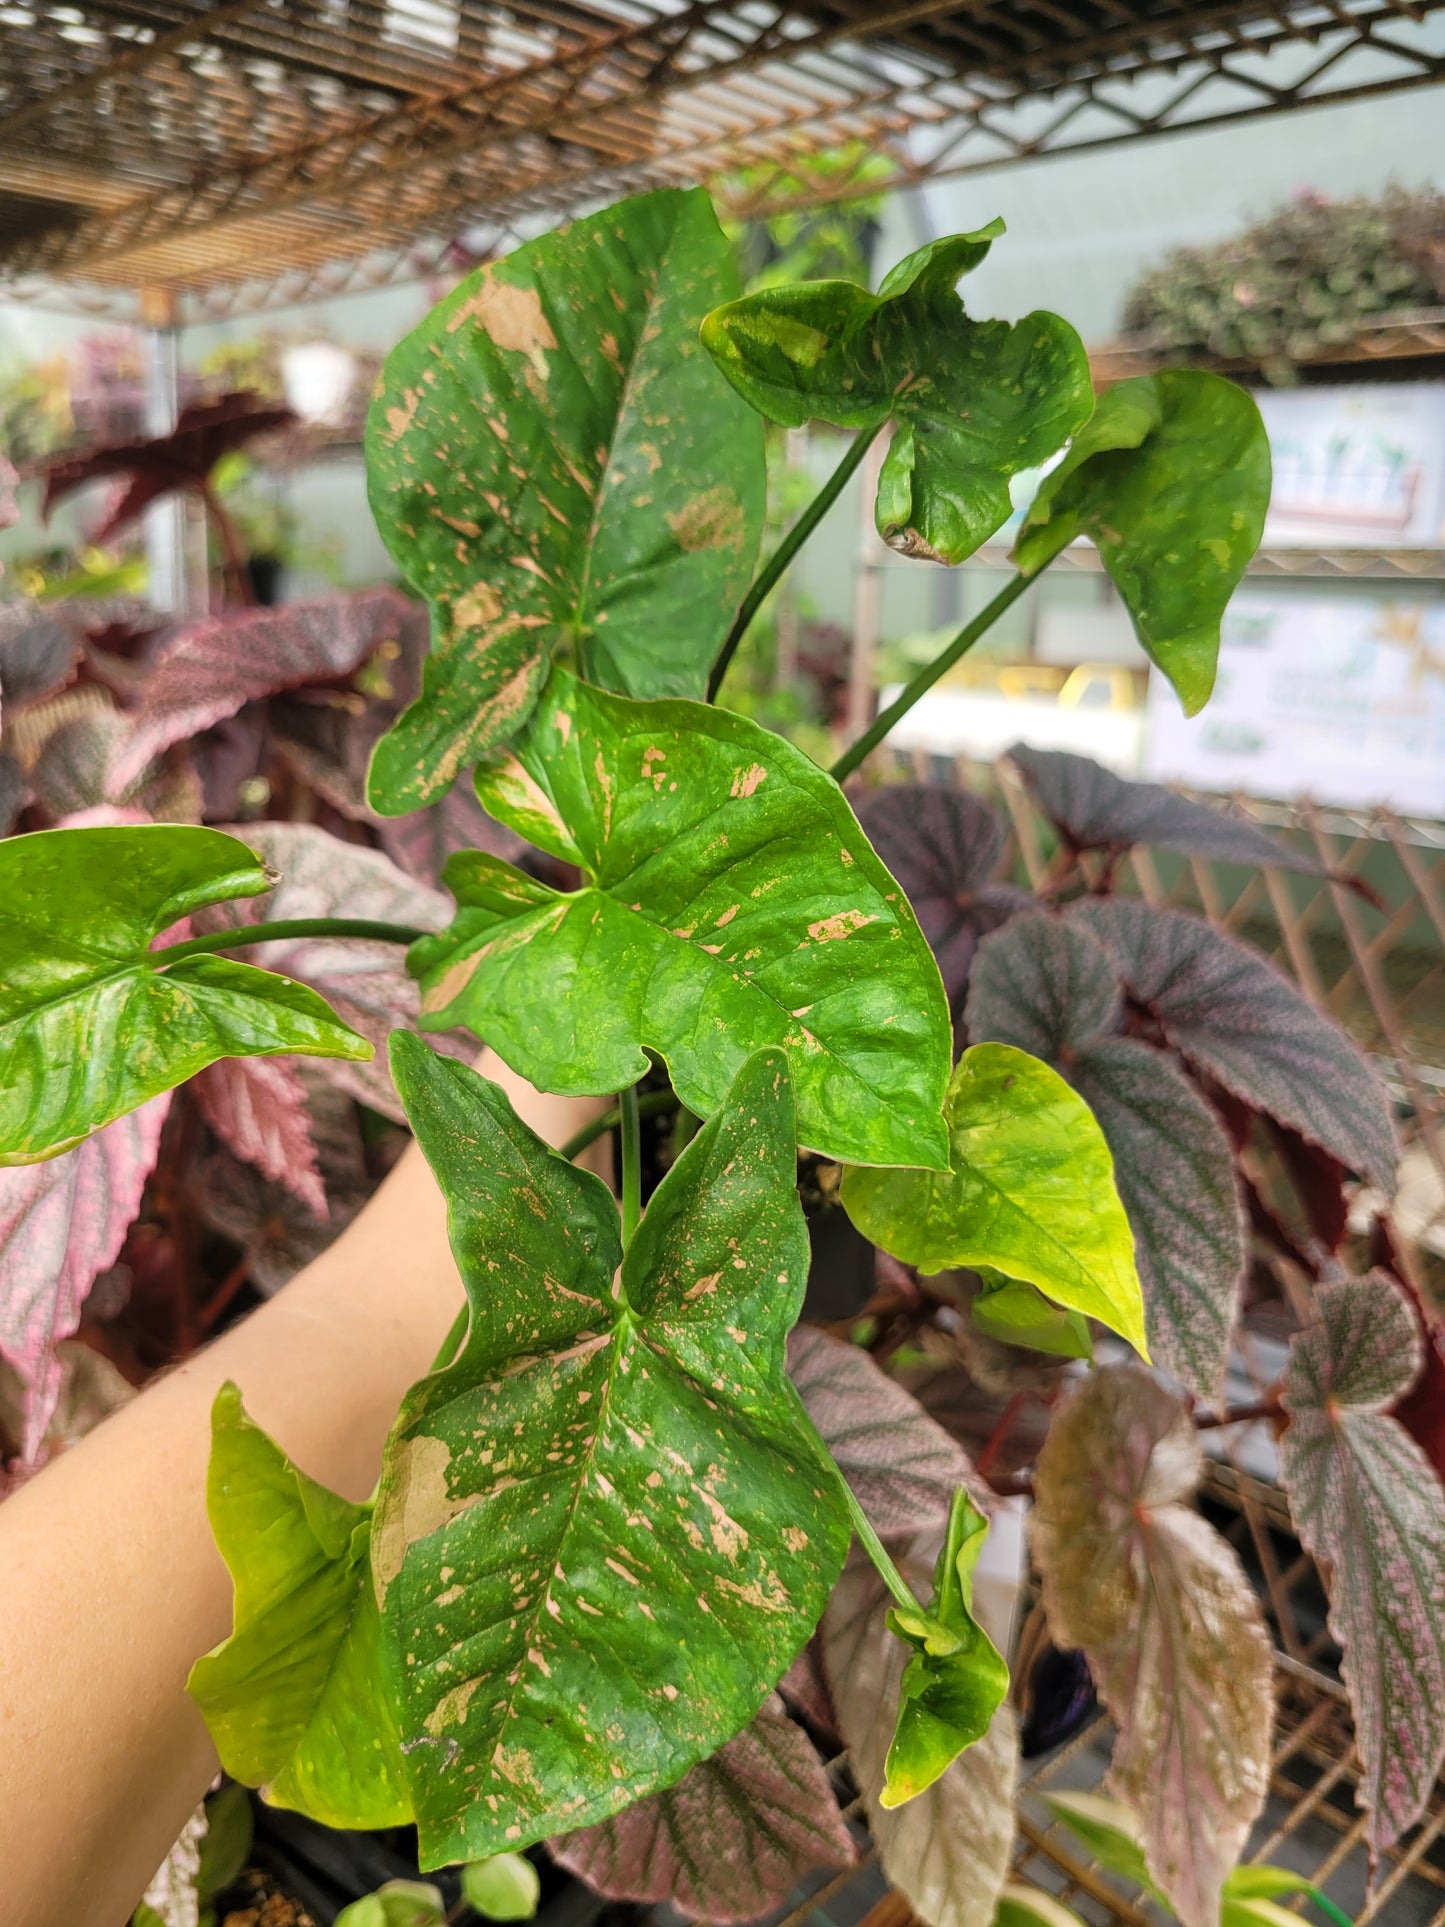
[(947, 1851), (606, 1529), (730, 902), (1161, 1607), (731, 1839), (553, 461), (974, 401), (1367, 1502)]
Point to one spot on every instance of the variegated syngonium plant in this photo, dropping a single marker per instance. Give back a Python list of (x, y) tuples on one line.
[(607, 1525)]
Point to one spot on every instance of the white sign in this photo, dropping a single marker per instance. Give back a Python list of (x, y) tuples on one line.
[(1341, 698), (1356, 467)]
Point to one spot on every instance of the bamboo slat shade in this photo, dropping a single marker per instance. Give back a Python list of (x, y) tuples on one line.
[(246, 151)]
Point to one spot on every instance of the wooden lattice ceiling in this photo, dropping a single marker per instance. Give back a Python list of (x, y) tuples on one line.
[(242, 153)]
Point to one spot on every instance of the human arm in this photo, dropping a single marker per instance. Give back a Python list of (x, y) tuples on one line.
[(111, 1586)]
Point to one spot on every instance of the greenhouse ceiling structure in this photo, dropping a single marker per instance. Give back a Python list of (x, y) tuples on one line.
[(185, 160)]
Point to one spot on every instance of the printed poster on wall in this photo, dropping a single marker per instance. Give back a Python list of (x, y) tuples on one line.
[(1360, 466), (1341, 698)]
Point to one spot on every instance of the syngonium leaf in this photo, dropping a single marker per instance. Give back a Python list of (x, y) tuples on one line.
[(955, 1679), (552, 460), (1366, 1500), (92, 1023), (1162, 1609), (1093, 809), (293, 1697), (948, 1850), (1048, 986), (504, 1887), (730, 902), (943, 845), (397, 1903), (605, 1530), (61, 1223), (974, 401), (1030, 1193), (366, 984), (1240, 1020), (731, 1839), (1170, 479), (1018, 1314)]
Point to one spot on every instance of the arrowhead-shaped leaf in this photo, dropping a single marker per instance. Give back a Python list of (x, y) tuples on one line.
[(731, 1839), (1030, 1193), (1239, 1019), (943, 846), (953, 1683), (293, 1698), (61, 1223), (974, 401), (1170, 480), (1048, 986), (1161, 1607), (903, 1467), (603, 1532), (257, 1107), (947, 1851), (1367, 1501), (1096, 810), (91, 1022), (366, 984), (731, 902), (553, 460)]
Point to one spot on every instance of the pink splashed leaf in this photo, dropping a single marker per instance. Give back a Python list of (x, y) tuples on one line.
[(366, 984), (62, 1222), (257, 1107), (730, 1839), (1367, 1502), (212, 669), (1161, 1607)]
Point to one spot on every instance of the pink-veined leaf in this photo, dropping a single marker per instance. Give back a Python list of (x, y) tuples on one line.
[(62, 1222), (1161, 1607), (14, 792), (39, 650), (78, 782), (213, 668), (267, 1220), (257, 1107), (947, 1850), (1367, 1502), (1239, 1019), (903, 1467), (731, 1839), (1047, 985), (366, 984)]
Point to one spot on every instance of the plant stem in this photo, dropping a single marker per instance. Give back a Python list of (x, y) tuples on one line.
[(654, 1104), (767, 577), (452, 1343), (288, 929), (631, 1163), (237, 561), (929, 675), (890, 1575)]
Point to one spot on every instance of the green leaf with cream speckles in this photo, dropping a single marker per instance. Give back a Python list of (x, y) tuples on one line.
[(605, 1531), (1170, 480), (1030, 1194), (293, 1697), (92, 1021), (731, 902), (973, 401), (554, 461)]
